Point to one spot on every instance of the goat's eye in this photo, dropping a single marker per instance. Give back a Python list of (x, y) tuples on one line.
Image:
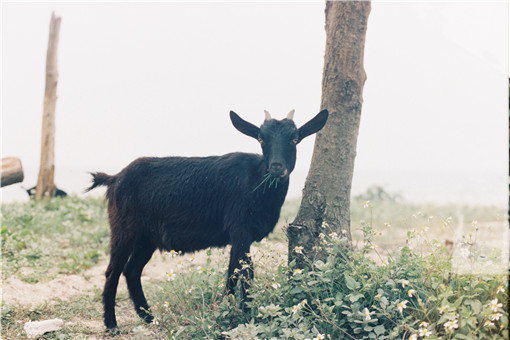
[(295, 140)]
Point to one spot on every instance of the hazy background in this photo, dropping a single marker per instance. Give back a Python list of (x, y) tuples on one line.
[(159, 79)]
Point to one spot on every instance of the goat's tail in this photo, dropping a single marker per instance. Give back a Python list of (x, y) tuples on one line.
[(100, 178)]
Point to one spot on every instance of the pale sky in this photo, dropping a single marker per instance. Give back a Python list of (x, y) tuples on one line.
[(159, 79)]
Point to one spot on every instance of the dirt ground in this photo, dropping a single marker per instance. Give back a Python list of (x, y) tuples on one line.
[(17, 292)]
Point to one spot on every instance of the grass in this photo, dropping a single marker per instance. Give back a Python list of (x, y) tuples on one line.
[(66, 236), (69, 310), (61, 236)]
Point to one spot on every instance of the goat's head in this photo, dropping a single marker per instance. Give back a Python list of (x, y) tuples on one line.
[(279, 139)]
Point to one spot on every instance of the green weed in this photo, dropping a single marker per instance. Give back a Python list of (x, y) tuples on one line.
[(407, 293), (41, 239)]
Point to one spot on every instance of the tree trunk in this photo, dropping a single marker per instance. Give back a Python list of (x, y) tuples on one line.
[(326, 196), (12, 171), (45, 181)]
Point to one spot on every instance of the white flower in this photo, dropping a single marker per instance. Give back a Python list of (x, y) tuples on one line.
[(500, 290), (411, 292), (423, 332), (442, 309), (166, 304), (366, 312), (402, 305), (404, 283), (333, 235), (295, 308), (298, 271), (319, 337), (494, 305), (275, 285), (488, 323), (413, 337), (424, 324), (170, 275), (450, 325), (496, 316), (387, 224), (366, 204), (298, 249)]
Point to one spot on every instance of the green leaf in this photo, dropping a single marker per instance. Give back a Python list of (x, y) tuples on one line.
[(379, 329), (354, 298), (476, 305), (350, 282)]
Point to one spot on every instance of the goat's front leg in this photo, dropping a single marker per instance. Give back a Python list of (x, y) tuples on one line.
[(240, 266)]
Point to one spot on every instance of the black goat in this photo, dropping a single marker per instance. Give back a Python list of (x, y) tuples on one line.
[(192, 203)]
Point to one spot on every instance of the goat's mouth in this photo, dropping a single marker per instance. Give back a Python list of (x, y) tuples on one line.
[(280, 173)]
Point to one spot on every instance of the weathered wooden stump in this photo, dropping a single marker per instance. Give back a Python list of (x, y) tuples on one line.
[(12, 171)]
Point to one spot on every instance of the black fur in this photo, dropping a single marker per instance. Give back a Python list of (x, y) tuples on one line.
[(192, 203)]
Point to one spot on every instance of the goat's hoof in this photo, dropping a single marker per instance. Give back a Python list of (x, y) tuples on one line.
[(112, 331), (146, 316)]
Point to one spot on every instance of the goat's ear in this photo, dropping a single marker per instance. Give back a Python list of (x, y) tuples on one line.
[(243, 126), (313, 125)]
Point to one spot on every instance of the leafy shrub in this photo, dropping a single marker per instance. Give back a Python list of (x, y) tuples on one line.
[(410, 294)]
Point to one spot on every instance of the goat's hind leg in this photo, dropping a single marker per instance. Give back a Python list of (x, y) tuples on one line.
[(142, 253), (119, 254)]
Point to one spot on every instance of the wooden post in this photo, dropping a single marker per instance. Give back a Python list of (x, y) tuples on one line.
[(45, 181), (12, 171)]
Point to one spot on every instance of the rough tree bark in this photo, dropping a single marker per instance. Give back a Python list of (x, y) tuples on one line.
[(326, 196), (45, 181), (12, 171)]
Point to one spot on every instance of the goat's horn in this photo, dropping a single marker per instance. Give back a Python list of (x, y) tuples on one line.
[(290, 115), (268, 115)]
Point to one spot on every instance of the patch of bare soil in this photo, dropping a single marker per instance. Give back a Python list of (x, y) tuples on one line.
[(16, 291)]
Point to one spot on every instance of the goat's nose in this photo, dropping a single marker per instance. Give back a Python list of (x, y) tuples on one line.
[(276, 167)]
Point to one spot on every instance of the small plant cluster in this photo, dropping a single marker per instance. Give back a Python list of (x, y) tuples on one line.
[(413, 293), (45, 238)]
